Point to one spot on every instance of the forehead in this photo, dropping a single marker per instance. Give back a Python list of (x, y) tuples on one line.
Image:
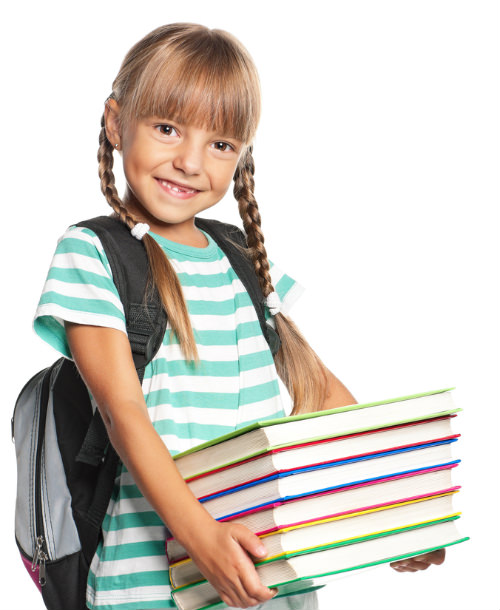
[(220, 100)]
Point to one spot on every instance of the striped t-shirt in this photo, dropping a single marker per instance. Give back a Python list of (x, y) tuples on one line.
[(234, 384)]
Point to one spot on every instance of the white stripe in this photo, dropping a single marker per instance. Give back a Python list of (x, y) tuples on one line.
[(257, 376), (135, 594), (133, 564), (131, 505), (291, 297), (79, 317), (224, 322), (188, 383), (83, 234), (252, 345), (198, 415), (80, 262), (83, 291), (276, 273), (207, 353), (272, 407), (216, 353), (213, 293), (206, 383), (135, 534), (201, 267)]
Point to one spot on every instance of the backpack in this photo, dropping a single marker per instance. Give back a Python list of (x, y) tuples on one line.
[(66, 466)]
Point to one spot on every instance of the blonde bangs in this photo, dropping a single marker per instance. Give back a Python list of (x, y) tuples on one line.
[(206, 80)]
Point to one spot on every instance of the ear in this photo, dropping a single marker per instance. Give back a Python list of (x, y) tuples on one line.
[(112, 122)]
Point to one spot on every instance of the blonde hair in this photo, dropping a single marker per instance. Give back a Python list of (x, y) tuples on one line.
[(206, 78)]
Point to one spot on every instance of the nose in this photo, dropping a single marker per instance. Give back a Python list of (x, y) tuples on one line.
[(189, 157)]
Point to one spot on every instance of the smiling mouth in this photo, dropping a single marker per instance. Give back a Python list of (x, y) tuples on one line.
[(176, 188)]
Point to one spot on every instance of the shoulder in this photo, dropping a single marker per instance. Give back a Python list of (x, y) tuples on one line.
[(221, 230)]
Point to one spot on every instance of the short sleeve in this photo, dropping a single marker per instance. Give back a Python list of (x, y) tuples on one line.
[(79, 288), (287, 288)]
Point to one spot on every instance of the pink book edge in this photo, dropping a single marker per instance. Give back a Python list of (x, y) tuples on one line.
[(333, 491)]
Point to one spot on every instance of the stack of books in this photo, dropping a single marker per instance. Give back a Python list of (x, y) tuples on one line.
[(327, 492)]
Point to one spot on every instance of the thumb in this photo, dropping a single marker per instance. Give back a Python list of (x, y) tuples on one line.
[(249, 541)]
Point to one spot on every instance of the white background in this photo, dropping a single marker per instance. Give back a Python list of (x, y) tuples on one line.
[(376, 172)]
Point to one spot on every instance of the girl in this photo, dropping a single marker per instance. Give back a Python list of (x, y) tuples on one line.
[(182, 114)]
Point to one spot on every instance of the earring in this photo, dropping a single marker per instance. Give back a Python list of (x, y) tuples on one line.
[(116, 145)]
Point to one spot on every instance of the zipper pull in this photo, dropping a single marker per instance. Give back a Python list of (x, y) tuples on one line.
[(35, 559), (41, 573), (39, 558)]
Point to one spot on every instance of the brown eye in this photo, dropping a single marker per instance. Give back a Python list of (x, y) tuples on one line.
[(223, 146), (166, 130)]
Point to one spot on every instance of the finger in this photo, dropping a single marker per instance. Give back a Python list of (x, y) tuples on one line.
[(236, 597), (434, 557), (250, 542), (437, 557), (253, 586)]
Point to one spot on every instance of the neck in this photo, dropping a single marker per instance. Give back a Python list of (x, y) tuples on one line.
[(185, 232)]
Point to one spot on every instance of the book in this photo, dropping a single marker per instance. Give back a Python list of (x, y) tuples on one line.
[(309, 570), (259, 437), (335, 503), (319, 452), (313, 480), (332, 531)]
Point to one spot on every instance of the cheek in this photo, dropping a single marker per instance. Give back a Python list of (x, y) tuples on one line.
[(222, 177)]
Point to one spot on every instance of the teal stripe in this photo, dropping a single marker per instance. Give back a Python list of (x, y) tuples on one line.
[(211, 308), (205, 368), (130, 520), (53, 333), (204, 432), (210, 280), (79, 276), (219, 337), (151, 578), (152, 605), (248, 329), (71, 245), (249, 362), (151, 548), (188, 398), (283, 286), (97, 306), (259, 392)]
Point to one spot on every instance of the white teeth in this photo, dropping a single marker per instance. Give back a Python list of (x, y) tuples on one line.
[(176, 188)]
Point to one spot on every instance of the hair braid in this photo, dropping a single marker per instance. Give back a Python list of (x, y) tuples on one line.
[(299, 367), (162, 274), (249, 211)]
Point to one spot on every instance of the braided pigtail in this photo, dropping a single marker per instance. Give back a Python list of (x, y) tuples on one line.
[(298, 366), (162, 273)]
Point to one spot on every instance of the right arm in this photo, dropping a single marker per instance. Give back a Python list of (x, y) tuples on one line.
[(220, 550)]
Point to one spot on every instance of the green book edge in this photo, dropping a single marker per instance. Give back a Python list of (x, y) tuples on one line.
[(282, 420), (324, 547), (300, 585), (307, 440)]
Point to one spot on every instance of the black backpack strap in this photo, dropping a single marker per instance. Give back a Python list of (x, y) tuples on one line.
[(231, 240), (145, 317)]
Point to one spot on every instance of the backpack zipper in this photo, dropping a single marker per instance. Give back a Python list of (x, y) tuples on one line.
[(40, 554)]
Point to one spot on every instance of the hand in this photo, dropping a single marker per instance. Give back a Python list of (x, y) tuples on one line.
[(420, 562), (222, 552)]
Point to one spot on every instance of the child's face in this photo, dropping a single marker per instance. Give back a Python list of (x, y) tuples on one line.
[(174, 171)]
